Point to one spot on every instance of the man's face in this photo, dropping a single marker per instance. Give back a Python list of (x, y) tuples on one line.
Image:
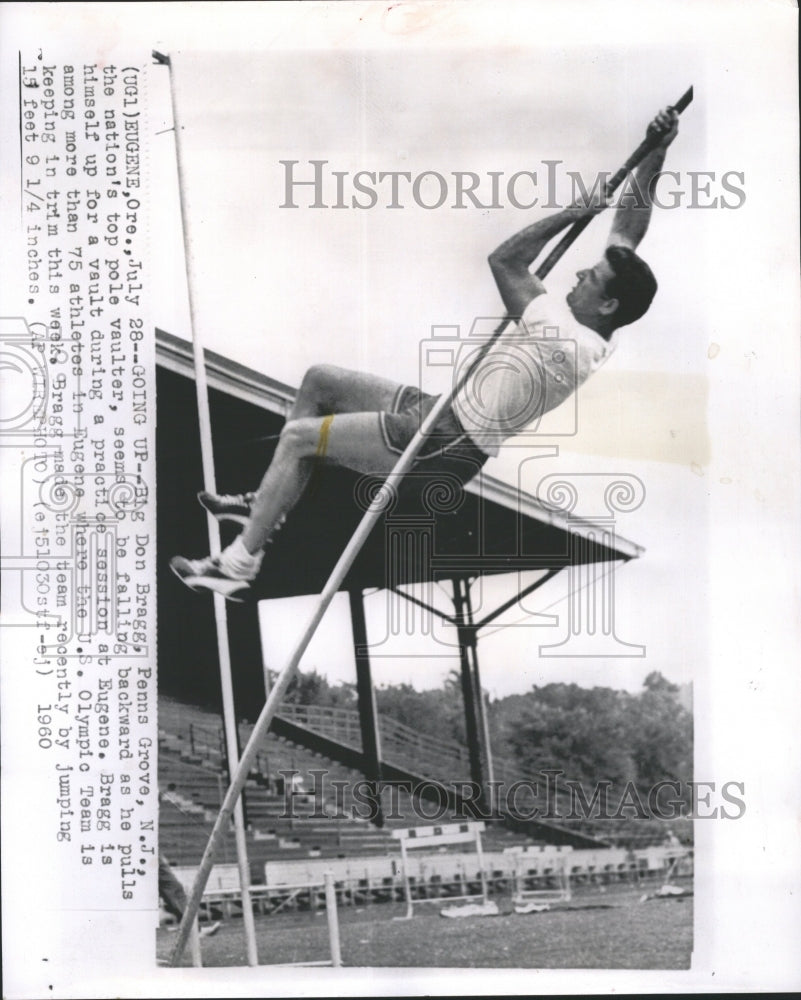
[(588, 299)]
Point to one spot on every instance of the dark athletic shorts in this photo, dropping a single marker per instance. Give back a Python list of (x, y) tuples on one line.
[(448, 447)]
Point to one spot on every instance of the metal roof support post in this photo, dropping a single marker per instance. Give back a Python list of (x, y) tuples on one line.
[(368, 714), (466, 634), (472, 634), (244, 643)]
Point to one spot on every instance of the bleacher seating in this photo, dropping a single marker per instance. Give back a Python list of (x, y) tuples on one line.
[(281, 825), (316, 822)]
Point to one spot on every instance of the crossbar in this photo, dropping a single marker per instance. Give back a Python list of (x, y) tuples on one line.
[(435, 836)]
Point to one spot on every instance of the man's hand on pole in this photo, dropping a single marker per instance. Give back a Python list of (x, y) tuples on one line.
[(666, 125)]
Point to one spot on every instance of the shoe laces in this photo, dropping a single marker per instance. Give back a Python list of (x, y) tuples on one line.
[(201, 566), (235, 498)]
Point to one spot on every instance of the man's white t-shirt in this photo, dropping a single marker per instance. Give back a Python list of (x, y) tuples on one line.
[(533, 367)]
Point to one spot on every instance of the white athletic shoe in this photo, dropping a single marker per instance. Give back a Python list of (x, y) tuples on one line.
[(205, 574), (208, 929), (227, 506)]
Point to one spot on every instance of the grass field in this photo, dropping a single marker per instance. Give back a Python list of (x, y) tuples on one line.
[(618, 932)]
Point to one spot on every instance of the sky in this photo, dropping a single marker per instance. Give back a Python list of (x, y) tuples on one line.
[(279, 289)]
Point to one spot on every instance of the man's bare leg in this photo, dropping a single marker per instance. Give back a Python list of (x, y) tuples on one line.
[(327, 422), (351, 440), (328, 389), (325, 391)]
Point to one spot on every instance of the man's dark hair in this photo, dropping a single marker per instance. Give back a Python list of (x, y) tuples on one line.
[(633, 284)]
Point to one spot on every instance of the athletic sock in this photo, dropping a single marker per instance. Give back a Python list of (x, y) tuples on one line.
[(238, 563)]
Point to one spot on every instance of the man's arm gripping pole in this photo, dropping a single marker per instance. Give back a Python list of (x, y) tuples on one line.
[(649, 142), (342, 567)]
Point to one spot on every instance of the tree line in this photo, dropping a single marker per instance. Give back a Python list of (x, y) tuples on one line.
[(590, 734)]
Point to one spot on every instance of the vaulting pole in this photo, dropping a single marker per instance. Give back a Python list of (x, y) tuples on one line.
[(650, 142), (340, 571), (221, 619)]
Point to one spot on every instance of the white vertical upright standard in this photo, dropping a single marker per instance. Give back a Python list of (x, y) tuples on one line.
[(333, 919), (207, 455)]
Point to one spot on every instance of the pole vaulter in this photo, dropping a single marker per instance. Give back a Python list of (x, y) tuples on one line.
[(196, 574)]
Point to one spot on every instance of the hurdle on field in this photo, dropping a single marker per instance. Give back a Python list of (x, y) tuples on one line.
[(412, 838), (226, 892), (538, 863), (332, 917)]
